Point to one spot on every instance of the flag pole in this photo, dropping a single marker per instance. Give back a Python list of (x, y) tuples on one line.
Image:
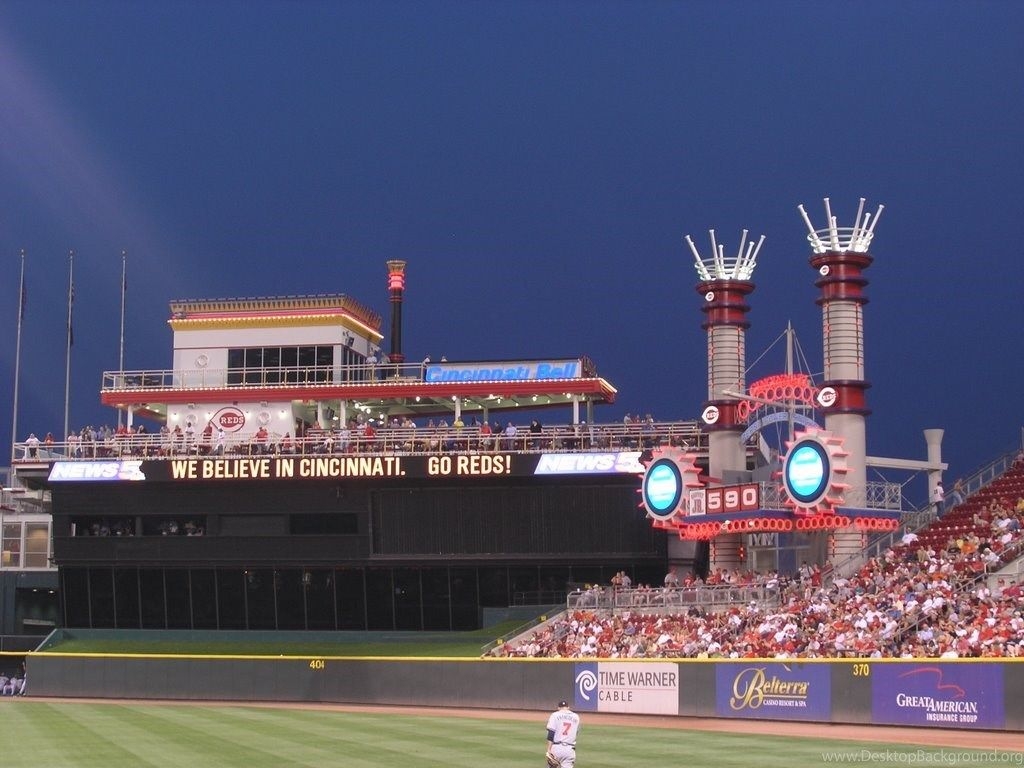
[(124, 291), (17, 354), (70, 341)]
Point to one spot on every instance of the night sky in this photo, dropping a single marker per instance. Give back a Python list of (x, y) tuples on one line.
[(537, 164)]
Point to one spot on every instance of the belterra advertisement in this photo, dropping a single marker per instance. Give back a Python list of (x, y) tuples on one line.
[(773, 691)]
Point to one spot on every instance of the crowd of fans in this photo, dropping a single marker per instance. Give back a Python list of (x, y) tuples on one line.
[(359, 435), (915, 600)]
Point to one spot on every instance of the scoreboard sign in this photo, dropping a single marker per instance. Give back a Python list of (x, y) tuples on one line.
[(345, 466), (733, 498)]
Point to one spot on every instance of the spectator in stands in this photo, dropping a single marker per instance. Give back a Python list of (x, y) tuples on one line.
[(205, 438), (370, 436), (459, 427), (535, 432), (958, 492), (804, 573), (262, 445), (672, 578), (938, 497), (32, 446)]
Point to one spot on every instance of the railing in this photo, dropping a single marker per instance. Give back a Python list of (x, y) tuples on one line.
[(282, 376), (539, 597), (7, 497), (550, 439), (877, 495), (980, 479), (706, 597), (279, 376), (516, 633)]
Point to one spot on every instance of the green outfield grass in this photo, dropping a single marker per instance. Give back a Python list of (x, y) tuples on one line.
[(119, 735)]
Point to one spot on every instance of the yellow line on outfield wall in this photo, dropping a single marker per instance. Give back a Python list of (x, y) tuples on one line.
[(513, 660)]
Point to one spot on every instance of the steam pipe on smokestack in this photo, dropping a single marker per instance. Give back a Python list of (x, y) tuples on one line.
[(396, 289)]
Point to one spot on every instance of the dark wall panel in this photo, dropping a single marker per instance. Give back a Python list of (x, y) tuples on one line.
[(499, 684)]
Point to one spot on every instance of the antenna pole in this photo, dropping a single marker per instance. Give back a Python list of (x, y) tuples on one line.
[(70, 342), (17, 354), (120, 359), (791, 408)]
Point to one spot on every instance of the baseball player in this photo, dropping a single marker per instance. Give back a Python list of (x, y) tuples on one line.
[(563, 725)]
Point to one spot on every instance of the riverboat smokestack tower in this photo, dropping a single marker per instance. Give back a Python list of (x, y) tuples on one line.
[(725, 284), (840, 255), (396, 290)]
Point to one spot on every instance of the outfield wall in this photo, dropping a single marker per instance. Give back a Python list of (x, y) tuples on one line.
[(979, 694)]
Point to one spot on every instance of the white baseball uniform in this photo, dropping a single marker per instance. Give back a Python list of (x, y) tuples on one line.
[(563, 726)]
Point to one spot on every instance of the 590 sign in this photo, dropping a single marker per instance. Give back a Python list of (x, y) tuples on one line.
[(733, 498)]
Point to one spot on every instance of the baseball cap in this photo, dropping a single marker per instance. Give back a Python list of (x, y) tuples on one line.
[(563, 703)]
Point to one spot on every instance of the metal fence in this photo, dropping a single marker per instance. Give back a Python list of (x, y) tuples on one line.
[(559, 438), (707, 597)]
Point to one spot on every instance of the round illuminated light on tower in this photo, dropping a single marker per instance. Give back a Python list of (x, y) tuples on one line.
[(814, 472), (667, 482)]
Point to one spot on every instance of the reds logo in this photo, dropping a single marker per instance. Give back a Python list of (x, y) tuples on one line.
[(230, 419), (827, 397)]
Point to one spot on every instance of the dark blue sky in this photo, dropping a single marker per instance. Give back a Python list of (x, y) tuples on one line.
[(537, 164)]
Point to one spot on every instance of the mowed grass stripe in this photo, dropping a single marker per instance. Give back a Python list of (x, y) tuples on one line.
[(159, 741), (384, 738), (58, 735), (302, 737), (35, 734), (182, 735), (361, 739), (306, 737), (215, 740)]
